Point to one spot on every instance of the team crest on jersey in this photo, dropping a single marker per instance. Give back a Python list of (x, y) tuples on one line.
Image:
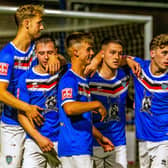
[(66, 93), (164, 85), (146, 104), (4, 68), (51, 102), (112, 114), (9, 159)]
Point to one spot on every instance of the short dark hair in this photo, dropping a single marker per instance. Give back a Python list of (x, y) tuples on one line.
[(106, 41), (45, 38), (78, 37)]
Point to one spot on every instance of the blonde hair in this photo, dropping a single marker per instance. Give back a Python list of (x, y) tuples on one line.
[(77, 38), (27, 11), (159, 41)]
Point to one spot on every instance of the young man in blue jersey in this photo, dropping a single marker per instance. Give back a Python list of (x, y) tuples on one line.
[(40, 88), (151, 98), (75, 137), (109, 85), (15, 59), (151, 104)]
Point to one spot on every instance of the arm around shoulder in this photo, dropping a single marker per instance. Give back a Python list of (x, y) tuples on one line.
[(44, 143)]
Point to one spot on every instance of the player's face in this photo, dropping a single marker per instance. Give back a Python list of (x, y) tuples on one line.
[(112, 55), (85, 53), (35, 26), (44, 51), (160, 59)]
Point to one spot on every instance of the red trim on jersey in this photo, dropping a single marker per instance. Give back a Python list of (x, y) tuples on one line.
[(81, 89), (22, 63), (42, 85), (110, 91), (148, 85)]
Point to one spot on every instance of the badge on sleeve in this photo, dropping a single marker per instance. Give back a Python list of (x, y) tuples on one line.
[(66, 93), (8, 159), (3, 68)]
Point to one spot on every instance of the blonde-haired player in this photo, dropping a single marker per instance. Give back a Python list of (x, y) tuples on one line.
[(15, 59)]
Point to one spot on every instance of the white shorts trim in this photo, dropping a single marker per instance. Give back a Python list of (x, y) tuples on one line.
[(76, 161)]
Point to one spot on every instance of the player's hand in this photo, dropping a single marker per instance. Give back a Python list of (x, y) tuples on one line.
[(90, 70), (33, 114), (45, 144), (93, 66), (135, 67), (106, 144), (53, 64), (102, 110)]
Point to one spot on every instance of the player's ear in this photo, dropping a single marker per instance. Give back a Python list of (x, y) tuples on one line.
[(101, 52), (152, 53), (26, 23), (75, 52)]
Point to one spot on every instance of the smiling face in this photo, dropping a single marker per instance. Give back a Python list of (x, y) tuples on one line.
[(112, 55), (84, 53)]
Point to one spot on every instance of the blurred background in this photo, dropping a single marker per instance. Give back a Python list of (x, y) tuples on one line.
[(135, 22)]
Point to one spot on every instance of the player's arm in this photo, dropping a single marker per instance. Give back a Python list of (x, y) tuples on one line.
[(102, 140), (77, 108), (68, 93), (96, 61), (7, 65), (129, 60), (54, 63), (44, 143), (30, 110)]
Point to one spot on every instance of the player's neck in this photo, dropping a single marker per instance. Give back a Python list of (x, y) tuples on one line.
[(155, 70), (22, 41), (107, 72), (40, 69), (78, 69)]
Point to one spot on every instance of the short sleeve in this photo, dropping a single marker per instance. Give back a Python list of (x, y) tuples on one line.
[(6, 65), (68, 90)]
